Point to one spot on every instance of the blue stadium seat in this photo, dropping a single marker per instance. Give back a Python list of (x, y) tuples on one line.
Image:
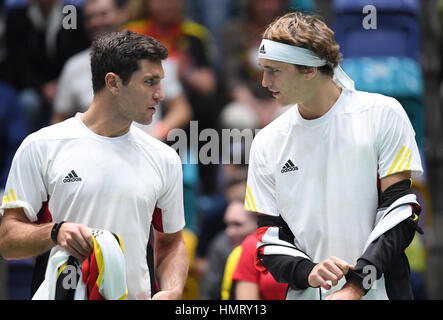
[(396, 77), (393, 76), (397, 32), (302, 5)]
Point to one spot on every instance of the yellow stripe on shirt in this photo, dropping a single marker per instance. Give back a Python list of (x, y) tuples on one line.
[(396, 160), (252, 199), (247, 204), (408, 152), (12, 195), (409, 163)]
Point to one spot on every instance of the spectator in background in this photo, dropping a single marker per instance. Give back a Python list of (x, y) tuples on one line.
[(188, 42), (248, 282), (136, 10), (191, 46), (38, 45), (251, 105), (213, 14), (239, 224)]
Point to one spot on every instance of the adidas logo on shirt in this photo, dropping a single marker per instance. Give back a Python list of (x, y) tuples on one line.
[(262, 49), (72, 177), (289, 166)]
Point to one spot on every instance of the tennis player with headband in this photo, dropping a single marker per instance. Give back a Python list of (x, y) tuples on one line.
[(330, 178)]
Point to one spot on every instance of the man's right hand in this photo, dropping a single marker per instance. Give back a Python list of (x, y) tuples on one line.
[(76, 239), (332, 269)]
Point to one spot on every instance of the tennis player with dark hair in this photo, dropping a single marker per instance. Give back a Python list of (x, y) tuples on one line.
[(330, 178), (98, 170)]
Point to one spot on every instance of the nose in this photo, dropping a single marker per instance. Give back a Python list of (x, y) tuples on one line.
[(265, 80), (159, 94)]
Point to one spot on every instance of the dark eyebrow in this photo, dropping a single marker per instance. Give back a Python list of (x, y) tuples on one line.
[(152, 76)]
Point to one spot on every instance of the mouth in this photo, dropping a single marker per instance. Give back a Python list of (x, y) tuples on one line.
[(275, 93), (153, 108)]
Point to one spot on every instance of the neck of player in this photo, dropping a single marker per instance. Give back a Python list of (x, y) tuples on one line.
[(103, 118), (324, 95)]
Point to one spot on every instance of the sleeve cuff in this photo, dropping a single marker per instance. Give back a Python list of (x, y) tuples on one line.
[(301, 273), (357, 276), (29, 211)]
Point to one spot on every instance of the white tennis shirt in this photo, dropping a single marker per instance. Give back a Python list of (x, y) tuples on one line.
[(113, 184), (321, 175)]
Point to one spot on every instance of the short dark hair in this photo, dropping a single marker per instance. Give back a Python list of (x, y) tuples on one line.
[(120, 52)]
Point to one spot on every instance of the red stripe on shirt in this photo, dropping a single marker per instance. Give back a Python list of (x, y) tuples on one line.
[(44, 215), (157, 219)]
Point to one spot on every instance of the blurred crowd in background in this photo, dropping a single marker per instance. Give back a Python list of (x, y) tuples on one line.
[(212, 76)]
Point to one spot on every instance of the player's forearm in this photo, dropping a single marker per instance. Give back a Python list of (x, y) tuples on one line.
[(172, 264), (20, 240)]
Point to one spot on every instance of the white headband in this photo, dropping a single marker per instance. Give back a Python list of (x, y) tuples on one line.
[(277, 51)]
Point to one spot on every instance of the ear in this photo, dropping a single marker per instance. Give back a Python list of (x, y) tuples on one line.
[(113, 82), (311, 73)]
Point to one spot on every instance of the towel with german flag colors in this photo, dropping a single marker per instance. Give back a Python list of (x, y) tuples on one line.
[(321, 176), (102, 276)]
